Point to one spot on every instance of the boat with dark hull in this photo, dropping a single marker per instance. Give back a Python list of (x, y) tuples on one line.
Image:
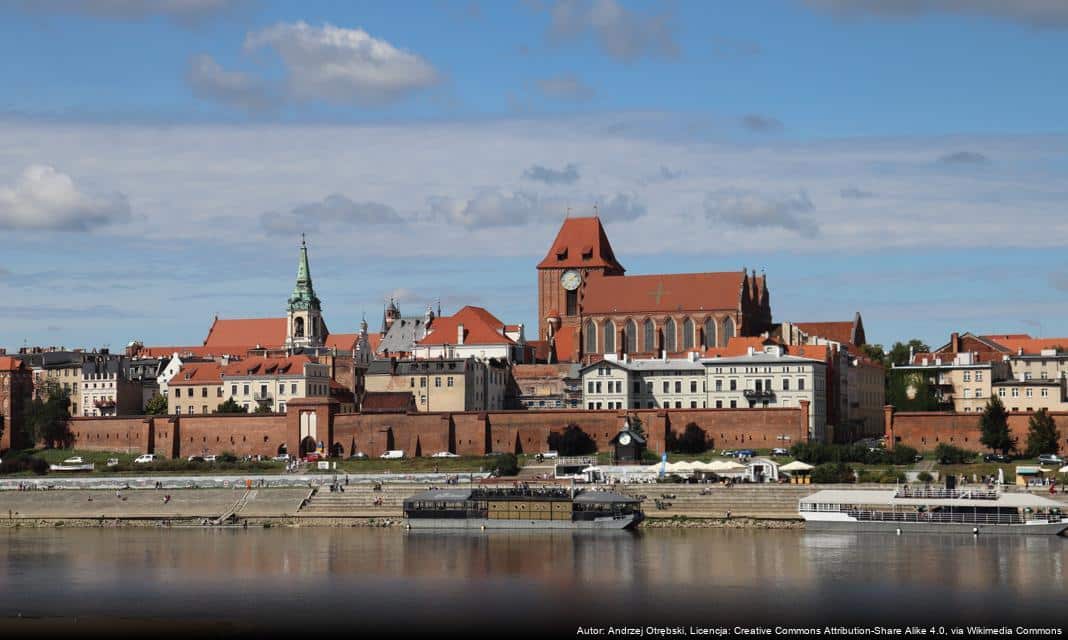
[(521, 508), (933, 510)]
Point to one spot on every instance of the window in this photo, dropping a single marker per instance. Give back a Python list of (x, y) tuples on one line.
[(785, 384), (978, 393), (631, 337), (598, 387), (709, 337), (719, 404), (967, 393), (967, 376), (693, 404), (609, 337), (667, 386), (678, 404), (177, 392), (649, 388), (203, 392), (800, 384), (281, 407), (759, 385), (978, 376), (734, 384), (1027, 375), (649, 342), (1029, 393), (734, 404), (281, 389), (572, 303), (693, 386), (589, 405), (413, 383), (246, 390), (1015, 392), (437, 381), (448, 381), (591, 337), (687, 334), (191, 409), (669, 335), (1045, 392), (728, 329), (1001, 392), (678, 386), (203, 408), (293, 388), (719, 385), (589, 387), (637, 387), (422, 383)]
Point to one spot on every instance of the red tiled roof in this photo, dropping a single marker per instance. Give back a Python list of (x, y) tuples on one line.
[(539, 349), (265, 332), (204, 352), (836, 331), (738, 346), (197, 373), (666, 293), (480, 327), (261, 366), (7, 363), (374, 339), (387, 401), (566, 343), (1029, 345), (343, 341), (581, 242)]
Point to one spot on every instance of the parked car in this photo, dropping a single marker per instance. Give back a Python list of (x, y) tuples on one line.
[(444, 454), (74, 460), (195, 459), (746, 453), (549, 455), (145, 458), (779, 451), (730, 453), (209, 458), (996, 457), (1050, 458), (392, 454), (359, 455)]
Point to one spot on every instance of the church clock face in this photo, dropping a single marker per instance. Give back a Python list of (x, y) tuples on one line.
[(624, 439), (570, 280)]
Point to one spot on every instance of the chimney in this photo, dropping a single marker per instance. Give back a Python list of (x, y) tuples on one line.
[(460, 334), (954, 342)]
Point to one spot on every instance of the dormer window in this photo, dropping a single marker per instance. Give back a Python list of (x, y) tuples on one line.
[(587, 252), (561, 253)]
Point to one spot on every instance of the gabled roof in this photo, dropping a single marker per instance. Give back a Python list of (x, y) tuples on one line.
[(266, 366), (1028, 345), (581, 242), (197, 373), (265, 332), (667, 293), (401, 335), (199, 351), (342, 341), (739, 346), (843, 331), (7, 363), (480, 327)]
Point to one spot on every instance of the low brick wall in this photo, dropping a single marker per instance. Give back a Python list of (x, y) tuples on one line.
[(926, 430)]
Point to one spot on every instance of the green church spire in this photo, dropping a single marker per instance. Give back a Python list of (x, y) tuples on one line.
[(303, 297)]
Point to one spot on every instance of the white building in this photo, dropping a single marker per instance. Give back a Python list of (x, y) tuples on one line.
[(272, 382)]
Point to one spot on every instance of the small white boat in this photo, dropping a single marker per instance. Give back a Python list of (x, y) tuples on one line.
[(71, 467), (933, 510)]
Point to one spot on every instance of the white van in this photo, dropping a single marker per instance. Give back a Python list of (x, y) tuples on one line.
[(145, 457), (393, 454)]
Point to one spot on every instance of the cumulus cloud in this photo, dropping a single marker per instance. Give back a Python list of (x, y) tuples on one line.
[(43, 198), (622, 207), (750, 209), (565, 87), (335, 209), (567, 175), (761, 124), (185, 12), (623, 34), (210, 81), (1035, 13), (854, 193), (340, 65), (964, 157)]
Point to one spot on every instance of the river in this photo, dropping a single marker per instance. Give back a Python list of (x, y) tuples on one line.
[(368, 579)]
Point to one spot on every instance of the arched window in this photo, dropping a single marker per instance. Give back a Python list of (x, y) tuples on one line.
[(710, 333), (591, 337), (632, 336), (609, 337), (687, 334), (650, 336), (298, 327), (728, 329), (669, 335)]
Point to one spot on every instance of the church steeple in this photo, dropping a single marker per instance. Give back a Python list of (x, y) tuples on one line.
[(305, 326), (303, 298)]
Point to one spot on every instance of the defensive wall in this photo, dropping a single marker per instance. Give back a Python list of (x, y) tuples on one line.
[(310, 421), (925, 430)]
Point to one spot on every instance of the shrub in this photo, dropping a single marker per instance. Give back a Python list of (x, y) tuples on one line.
[(924, 476), (948, 454), (24, 462), (902, 454), (832, 473), (572, 441), (506, 465)]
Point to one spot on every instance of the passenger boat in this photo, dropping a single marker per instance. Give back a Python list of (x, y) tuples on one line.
[(933, 510), (521, 508)]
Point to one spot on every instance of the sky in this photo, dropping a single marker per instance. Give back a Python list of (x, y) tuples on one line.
[(907, 159)]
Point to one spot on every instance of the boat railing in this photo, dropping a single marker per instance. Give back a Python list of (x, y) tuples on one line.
[(946, 518), (937, 492)]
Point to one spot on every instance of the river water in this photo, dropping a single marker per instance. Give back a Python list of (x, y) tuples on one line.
[(371, 579)]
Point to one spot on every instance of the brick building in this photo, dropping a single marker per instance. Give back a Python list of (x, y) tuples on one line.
[(16, 393), (588, 307)]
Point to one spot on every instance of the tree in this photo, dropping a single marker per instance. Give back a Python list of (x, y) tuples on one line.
[(634, 423), (572, 441), (230, 406), (506, 464), (995, 427), (156, 405), (1042, 434), (874, 352), (693, 440), (264, 408), (49, 416), (899, 353)]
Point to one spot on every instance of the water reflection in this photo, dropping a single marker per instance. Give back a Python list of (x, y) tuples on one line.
[(549, 580)]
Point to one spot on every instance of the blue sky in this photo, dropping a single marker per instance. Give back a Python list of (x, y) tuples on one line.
[(905, 159)]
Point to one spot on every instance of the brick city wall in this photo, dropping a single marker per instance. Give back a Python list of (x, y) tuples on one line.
[(427, 433), (926, 430)]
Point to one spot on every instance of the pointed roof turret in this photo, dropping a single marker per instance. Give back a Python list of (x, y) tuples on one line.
[(303, 297), (582, 242)]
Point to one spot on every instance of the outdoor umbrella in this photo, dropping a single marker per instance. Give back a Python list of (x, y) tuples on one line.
[(796, 465)]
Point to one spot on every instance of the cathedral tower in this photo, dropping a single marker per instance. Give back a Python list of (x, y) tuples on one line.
[(304, 325)]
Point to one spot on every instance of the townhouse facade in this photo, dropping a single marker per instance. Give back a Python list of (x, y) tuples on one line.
[(443, 384)]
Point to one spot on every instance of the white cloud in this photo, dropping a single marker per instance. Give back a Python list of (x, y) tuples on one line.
[(493, 208), (335, 210), (621, 33), (43, 198), (210, 81), (341, 65), (754, 210), (567, 175)]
